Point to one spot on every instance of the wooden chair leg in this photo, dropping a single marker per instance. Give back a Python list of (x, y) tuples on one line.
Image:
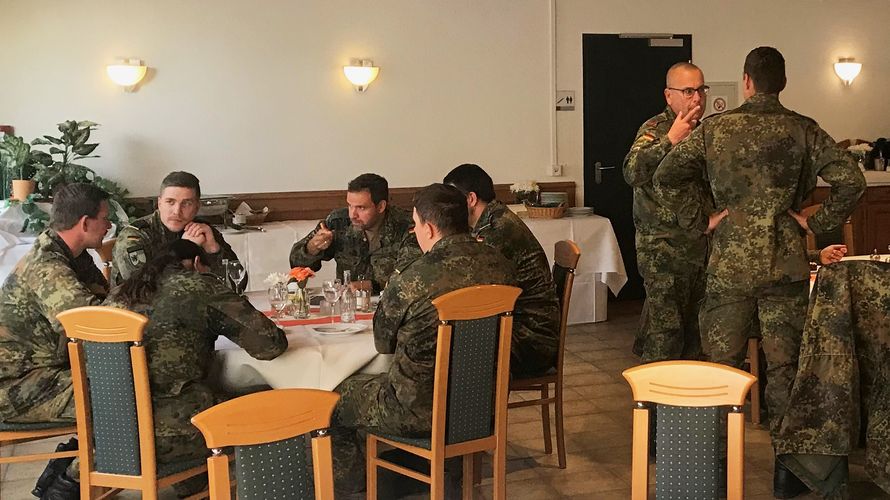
[(545, 419), (560, 433), (499, 472), (371, 468), (477, 468), (469, 479), (437, 478), (754, 364)]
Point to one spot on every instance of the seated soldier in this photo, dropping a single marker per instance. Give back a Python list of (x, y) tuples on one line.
[(536, 319), (400, 400), (369, 237), (178, 204), (55, 275)]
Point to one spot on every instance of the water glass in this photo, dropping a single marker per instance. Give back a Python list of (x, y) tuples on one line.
[(237, 273), (278, 298), (332, 291)]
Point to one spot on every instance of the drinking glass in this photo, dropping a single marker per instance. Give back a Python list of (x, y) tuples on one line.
[(278, 298), (332, 291), (238, 274)]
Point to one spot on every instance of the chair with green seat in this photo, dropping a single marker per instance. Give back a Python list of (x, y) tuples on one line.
[(112, 398), (472, 370), (12, 433), (268, 430)]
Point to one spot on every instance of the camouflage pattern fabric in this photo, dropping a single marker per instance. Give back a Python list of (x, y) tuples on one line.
[(671, 259), (351, 250), (760, 160), (536, 318), (35, 376), (188, 312), (844, 373), (144, 238), (405, 324)]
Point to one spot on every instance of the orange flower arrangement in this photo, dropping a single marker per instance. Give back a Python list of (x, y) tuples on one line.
[(301, 274)]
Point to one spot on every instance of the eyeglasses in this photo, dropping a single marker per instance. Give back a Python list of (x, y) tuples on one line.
[(689, 91)]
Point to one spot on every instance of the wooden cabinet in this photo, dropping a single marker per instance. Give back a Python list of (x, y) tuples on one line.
[(871, 218)]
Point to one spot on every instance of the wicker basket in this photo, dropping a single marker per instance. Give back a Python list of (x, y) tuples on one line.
[(545, 212), (256, 218)]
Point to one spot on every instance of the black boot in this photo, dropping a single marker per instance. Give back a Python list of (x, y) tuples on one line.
[(54, 468), (785, 483), (63, 488)]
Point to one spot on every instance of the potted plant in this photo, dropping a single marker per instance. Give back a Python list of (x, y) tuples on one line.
[(18, 164)]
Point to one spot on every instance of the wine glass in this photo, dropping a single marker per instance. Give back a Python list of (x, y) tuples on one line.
[(332, 291), (238, 274), (278, 298)]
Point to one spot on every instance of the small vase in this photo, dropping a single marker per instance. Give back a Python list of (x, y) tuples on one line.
[(303, 301), (21, 189)]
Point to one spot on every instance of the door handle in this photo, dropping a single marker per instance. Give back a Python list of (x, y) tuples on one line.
[(598, 172)]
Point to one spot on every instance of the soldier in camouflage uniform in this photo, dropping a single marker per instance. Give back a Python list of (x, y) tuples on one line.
[(369, 238), (187, 310), (671, 259), (400, 400), (178, 204), (536, 319), (761, 161), (57, 274)]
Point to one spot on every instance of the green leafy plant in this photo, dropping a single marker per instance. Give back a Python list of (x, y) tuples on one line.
[(16, 161)]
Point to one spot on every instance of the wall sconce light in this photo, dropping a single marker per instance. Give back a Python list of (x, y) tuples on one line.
[(127, 73), (847, 69), (360, 73)]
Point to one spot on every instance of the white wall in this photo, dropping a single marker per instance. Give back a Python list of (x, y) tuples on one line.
[(251, 97), (811, 34)]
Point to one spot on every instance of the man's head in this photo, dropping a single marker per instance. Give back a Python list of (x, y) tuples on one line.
[(178, 202), (764, 72), (366, 198), (476, 184), (439, 211), (80, 214), (685, 88)]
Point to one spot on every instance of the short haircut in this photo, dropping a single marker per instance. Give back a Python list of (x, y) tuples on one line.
[(373, 183), (182, 180), (444, 207), (470, 178), (680, 65), (765, 66), (73, 201)]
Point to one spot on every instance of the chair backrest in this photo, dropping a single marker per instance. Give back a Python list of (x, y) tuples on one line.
[(105, 253), (566, 255), (472, 363), (109, 372), (268, 431), (688, 394), (843, 234)]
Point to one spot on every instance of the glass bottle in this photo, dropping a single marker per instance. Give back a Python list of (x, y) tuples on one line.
[(362, 296), (347, 300)]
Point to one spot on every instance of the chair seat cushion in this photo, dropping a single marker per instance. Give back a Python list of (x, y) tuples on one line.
[(413, 441), (35, 426), (165, 470)]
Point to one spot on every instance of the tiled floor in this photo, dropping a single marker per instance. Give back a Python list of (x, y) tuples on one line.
[(598, 431)]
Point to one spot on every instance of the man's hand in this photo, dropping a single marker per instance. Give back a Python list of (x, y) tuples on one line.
[(683, 125), (321, 241), (714, 220), (832, 254), (202, 235), (801, 220)]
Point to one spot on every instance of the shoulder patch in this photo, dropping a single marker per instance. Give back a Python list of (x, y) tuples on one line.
[(136, 256)]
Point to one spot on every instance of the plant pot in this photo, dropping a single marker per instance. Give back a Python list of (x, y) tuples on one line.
[(21, 189)]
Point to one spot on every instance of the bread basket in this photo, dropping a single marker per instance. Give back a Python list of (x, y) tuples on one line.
[(545, 212)]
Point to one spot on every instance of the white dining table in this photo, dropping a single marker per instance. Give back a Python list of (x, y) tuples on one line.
[(312, 360)]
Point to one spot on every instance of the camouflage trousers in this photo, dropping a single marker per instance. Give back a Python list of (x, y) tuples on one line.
[(59, 408), (729, 317), (669, 322), (367, 403)]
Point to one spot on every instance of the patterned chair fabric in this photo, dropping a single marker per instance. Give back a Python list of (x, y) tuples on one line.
[(279, 470), (472, 373), (687, 462)]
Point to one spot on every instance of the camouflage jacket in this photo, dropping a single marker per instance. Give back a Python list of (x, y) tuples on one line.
[(351, 250), (760, 160), (652, 219), (405, 323), (139, 242), (188, 311), (536, 318), (33, 354)]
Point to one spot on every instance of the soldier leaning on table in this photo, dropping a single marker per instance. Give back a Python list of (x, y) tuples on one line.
[(369, 237), (178, 203), (536, 318), (671, 259), (400, 400), (57, 274), (761, 161)]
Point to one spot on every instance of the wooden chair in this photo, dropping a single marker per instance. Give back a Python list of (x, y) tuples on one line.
[(688, 394), (113, 403), (566, 257), (847, 231), (469, 391), (12, 433), (268, 430), (105, 253)]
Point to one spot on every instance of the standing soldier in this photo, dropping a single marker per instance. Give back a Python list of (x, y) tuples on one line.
[(671, 258), (761, 161)]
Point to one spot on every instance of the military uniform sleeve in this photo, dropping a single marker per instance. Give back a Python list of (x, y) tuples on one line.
[(91, 276), (225, 252), (645, 154), (839, 170), (675, 180), (300, 257), (389, 315), (232, 316), (409, 251), (130, 252), (814, 256), (57, 288)]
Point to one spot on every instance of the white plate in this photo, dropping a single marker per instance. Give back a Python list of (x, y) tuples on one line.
[(337, 328)]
